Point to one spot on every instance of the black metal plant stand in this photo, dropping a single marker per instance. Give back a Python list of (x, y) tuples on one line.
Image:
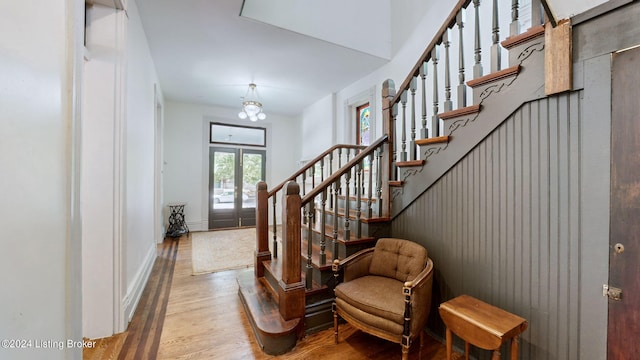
[(177, 224)]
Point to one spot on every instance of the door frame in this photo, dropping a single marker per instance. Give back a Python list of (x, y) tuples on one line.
[(238, 216)]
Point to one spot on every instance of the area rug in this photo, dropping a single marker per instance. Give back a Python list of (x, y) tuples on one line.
[(221, 250)]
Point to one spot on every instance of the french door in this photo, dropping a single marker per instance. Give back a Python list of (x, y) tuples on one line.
[(233, 174)]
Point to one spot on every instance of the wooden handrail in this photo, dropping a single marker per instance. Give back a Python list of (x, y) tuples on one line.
[(448, 23), (313, 162), (343, 170)]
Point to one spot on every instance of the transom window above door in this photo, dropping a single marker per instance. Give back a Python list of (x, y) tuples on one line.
[(237, 135)]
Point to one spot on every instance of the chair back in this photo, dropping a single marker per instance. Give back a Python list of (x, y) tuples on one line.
[(398, 259)]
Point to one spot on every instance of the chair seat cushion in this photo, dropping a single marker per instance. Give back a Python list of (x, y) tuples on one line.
[(374, 295)]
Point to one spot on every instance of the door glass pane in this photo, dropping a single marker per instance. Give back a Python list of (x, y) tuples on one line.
[(224, 180), (251, 173)]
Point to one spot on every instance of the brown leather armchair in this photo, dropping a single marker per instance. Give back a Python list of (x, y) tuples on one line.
[(385, 291)]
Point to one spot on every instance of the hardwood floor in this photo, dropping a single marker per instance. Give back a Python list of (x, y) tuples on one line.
[(181, 316)]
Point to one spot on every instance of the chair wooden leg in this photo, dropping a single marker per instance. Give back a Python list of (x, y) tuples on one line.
[(405, 352), (335, 326)]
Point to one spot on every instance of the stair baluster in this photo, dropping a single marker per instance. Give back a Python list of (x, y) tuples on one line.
[(331, 202), (347, 207), (412, 145), (435, 121), (403, 132), (370, 187), (379, 181), (462, 87), (275, 229), (394, 166), (358, 200), (424, 132), (495, 47), (448, 104), (309, 267), (477, 68), (336, 194), (514, 28), (323, 225)]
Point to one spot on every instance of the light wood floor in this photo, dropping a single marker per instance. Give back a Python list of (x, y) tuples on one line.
[(204, 319)]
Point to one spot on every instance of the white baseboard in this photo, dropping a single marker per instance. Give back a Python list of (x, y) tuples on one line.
[(134, 291), (198, 225)]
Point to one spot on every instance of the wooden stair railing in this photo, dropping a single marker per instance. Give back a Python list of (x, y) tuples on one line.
[(399, 107), (331, 187), (295, 208), (321, 165)]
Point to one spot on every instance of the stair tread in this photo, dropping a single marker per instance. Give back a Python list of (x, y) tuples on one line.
[(263, 310), (483, 80), (396, 183), (532, 33), (433, 140), (473, 109), (410, 163)]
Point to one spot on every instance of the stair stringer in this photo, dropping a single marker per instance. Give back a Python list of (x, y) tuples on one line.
[(498, 101)]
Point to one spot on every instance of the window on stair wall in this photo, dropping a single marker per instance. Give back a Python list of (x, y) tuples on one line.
[(363, 129), (363, 124)]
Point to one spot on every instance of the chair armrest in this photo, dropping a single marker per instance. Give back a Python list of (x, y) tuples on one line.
[(354, 266), (420, 291)]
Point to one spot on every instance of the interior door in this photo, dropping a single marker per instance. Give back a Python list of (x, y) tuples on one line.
[(233, 174), (624, 260)]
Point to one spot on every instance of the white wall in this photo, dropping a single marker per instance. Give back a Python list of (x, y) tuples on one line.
[(40, 52), (564, 9), (318, 127), (118, 169), (186, 154), (140, 242), (100, 160)]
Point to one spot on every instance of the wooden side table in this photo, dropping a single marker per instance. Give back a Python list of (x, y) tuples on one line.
[(481, 324)]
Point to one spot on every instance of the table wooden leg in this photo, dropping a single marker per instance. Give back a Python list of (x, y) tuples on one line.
[(466, 350), (496, 354), (449, 343), (514, 348)]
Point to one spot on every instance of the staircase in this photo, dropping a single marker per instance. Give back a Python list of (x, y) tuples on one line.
[(345, 199)]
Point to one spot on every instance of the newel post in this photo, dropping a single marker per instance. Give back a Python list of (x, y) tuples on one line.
[(386, 169), (291, 290), (262, 252)]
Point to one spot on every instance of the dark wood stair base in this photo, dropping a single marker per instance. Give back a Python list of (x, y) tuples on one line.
[(274, 335)]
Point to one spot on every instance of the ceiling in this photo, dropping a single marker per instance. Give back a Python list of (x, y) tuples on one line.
[(206, 53)]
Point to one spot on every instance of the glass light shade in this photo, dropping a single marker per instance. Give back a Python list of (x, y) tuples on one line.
[(251, 107)]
